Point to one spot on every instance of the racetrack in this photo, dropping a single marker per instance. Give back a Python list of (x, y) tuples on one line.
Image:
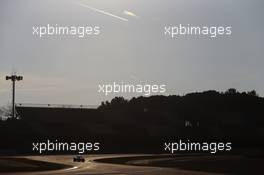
[(91, 167)]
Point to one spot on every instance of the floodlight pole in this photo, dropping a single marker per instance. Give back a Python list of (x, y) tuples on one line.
[(14, 78), (13, 99)]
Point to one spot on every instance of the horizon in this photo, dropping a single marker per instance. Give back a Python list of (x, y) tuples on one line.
[(94, 106)]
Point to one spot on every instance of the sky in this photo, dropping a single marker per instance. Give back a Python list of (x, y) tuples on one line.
[(131, 48)]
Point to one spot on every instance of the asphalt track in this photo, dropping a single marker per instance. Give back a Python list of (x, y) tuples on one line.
[(91, 167)]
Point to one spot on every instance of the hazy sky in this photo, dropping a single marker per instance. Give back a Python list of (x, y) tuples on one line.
[(67, 70)]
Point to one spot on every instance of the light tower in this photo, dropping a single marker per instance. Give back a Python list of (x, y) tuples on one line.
[(14, 78)]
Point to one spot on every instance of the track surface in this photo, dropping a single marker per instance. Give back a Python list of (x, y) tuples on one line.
[(90, 167)]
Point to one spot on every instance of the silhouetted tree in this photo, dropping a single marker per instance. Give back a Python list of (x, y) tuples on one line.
[(231, 91), (252, 93)]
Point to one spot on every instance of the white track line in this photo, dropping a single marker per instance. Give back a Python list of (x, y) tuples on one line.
[(73, 168)]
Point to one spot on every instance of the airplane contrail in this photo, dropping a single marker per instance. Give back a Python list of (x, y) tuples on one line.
[(130, 13), (101, 11)]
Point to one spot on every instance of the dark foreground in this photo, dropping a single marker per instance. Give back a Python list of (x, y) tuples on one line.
[(201, 163), (150, 164), (20, 164)]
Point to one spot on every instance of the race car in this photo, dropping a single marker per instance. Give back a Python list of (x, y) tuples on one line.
[(78, 158)]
